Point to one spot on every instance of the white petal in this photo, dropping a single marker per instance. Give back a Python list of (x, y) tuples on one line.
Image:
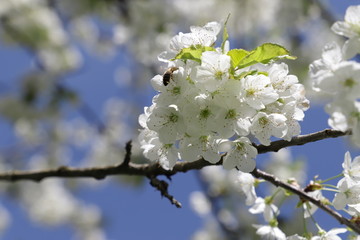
[(343, 28), (352, 15), (339, 201), (351, 47)]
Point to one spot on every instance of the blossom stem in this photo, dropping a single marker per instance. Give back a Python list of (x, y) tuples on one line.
[(330, 189), (334, 177)]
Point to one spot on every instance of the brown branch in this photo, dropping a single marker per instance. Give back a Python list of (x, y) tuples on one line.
[(301, 140), (127, 157), (155, 169), (304, 196), (162, 186)]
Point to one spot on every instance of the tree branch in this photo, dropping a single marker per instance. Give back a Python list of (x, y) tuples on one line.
[(155, 169), (162, 186), (301, 140)]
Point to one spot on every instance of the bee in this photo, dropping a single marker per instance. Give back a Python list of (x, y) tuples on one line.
[(168, 75)]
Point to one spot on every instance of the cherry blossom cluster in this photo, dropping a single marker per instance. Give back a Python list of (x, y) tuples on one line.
[(214, 100), (336, 75)]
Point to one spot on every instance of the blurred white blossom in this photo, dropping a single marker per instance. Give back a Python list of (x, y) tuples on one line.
[(350, 29), (200, 203)]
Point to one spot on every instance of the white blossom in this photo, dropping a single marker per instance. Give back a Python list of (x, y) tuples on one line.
[(155, 150), (280, 80), (240, 154), (295, 237), (257, 91), (351, 167), (345, 115), (265, 207), (270, 232), (50, 202), (330, 235), (343, 81), (235, 115), (192, 148), (167, 122), (349, 193), (246, 183), (204, 36), (266, 125), (214, 70), (200, 203), (350, 29), (320, 69), (354, 209)]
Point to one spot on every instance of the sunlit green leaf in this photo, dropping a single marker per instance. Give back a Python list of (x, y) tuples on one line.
[(265, 53), (193, 53), (237, 55)]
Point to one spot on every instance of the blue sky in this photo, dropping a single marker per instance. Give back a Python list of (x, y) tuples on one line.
[(142, 213)]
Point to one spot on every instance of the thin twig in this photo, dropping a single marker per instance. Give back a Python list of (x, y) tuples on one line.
[(163, 186), (304, 196), (127, 157)]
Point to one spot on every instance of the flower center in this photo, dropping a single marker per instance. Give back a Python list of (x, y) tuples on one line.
[(349, 82), (176, 91), (240, 146), (263, 121), (205, 113), (218, 75), (173, 118), (250, 92), (231, 114)]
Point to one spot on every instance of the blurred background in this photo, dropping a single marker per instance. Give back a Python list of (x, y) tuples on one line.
[(74, 77)]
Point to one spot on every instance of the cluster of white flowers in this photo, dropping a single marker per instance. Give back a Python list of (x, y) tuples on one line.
[(334, 74), (217, 99)]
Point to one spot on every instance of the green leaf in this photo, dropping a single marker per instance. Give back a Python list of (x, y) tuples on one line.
[(237, 55), (193, 53), (225, 34), (265, 53)]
